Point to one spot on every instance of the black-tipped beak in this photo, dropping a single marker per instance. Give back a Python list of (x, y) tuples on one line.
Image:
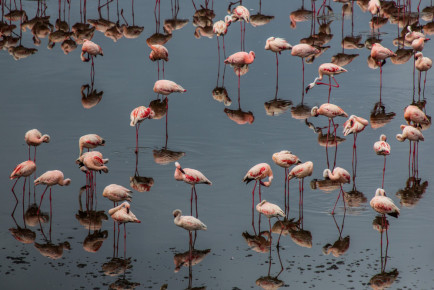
[(182, 170)]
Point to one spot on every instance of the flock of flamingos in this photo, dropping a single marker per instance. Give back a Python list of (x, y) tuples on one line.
[(93, 161)]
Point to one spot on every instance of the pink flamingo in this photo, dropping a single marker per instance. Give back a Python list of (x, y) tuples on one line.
[(277, 45), (80, 159), (413, 114), (339, 175), (51, 178), (137, 116), (383, 204), (241, 13), (241, 58), (192, 177), (117, 193), (286, 159), (379, 53), (23, 169), (330, 70), (354, 125), (330, 111), (270, 210), (188, 223), (35, 138), (159, 52), (166, 87), (259, 172), (220, 28), (122, 215), (93, 50), (422, 63), (412, 35), (300, 172), (419, 43), (303, 50), (382, 148), (92, 162), (412, 134), (90, 141)]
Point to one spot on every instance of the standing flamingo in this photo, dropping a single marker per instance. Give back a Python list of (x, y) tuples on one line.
[(286, 159), (241, 58), (270, 210), (422, 63), (192, 177), (300, 172), (330, 70), (354, 125), (220, 28), (159, 52), (411, 133), (241, 13), (166, 87), (277, 45), (23, 169), (259, 172), (137, 116), (51, 178), (90, 141), (117, 193), (383, 204), (339, 175), (122, 215), (413, 114), (188, 223), (303, 50), (93, 50), (35, 138), (382, 148), (379, 53), (419, 43), (330, 111)]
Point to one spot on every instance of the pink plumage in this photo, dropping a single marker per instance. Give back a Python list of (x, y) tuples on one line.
[(354, 125), (90, 141), (380, 53), (383, 204), (241, 58), (269, 209), (166, 87), (91, 48), (411, 133), (382, 147), (339, 174), (188, 223), (301, 171), (190, 176), (259, 172), (285, 159), (122, 214), (23, 169), (139, 114), (328, 110), (413, 114), (277, 44), (53, 177), (303, 50)]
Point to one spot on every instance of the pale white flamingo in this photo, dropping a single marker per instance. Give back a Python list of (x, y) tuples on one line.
[(51, 178), (166, 87), (374, 7), (192, 177), (354, 125), (117, 193), (159, 52), (80, 159), (328, 110), (270, 210), (300, 172), (330, 70), (23, 169), (411, 133), (90, 141), (220, 28), (137, 116), (413, 114), (419, 43), (286, 159), (382, 148), (383, 204), (339, 175), (303, 50), (188, 223), (122, 215), (422, 63), (277, 45), (35, 138)]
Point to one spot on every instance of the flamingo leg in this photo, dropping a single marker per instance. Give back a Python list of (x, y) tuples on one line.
[(125, 240), (191, 202), (51, 216), (384, 170), (42, 196), (14, 187), (339, 195), (195, 197), (253, 206), (34, 156)]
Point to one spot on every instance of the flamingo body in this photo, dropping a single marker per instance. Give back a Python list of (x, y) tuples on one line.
[(190, 176), (117, 193), (188, 223), (383, 204), (90, 141), (422, 63), (166, 87), (94, 162), (139, 114), (303, 50), (339, 174), (23, 169), (51, 178), (277, 44), (414, 114), (259, 172), (411, 133), (285, 159), (35, 138), (269, 209), (354, 125), (221, 27), (328, 69), (419, 43), (382, 147), (328, 110), (159, 52), (122, 214), (240, 13), (301, 171), (380, 53), (91, 48), (241, 58)]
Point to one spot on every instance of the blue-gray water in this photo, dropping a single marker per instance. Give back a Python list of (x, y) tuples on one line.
[(43, 91)]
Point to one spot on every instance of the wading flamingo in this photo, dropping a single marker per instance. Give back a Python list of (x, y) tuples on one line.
[(339, 175), (137, 116), (35, 138), (23, 169), (270, 210), (220, 28), (51, 178), (383, 204), (300, 172), (382, 148), (192, 177), (330, 70), (122, 215), (422, 63), (188, 223), (241, 13), (413, 114), (303, 50), (277, 45)]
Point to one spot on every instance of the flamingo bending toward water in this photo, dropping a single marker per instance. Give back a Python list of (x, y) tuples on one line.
[(270, 210), (51, 178), (192, 177), (90, 141), (137, 116), (339, 175), (23, 169), (92, 49), (286, 159), (300, 172), (330, 70), (35, 138), (382, 148), (413, 114), (122, 215), (277, 45)]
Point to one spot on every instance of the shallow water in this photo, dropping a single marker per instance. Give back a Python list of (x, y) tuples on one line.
[(43, 91)]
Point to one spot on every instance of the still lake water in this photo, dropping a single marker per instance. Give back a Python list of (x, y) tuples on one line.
[(43, 91)]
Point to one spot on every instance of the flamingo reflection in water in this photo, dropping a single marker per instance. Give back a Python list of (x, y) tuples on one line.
[(339, 175), (271, 282), (35, 138), (414, 190), (260, 19), (379, 117), (90, 97), (286, 159), (341, 245), (192, 177)]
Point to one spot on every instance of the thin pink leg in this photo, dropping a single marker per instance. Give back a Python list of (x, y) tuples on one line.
[(42, 196)]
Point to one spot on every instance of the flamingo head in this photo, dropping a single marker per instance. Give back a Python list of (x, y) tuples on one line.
[(67, 182), (177, 212), (178, 166), (267, 43), (46, 138), (228, 20), (380, 192), (326, 172), (400, 138), (418, 55), (314, 111), (252, 53), (383, 138)]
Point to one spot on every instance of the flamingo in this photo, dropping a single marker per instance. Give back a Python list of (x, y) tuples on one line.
[(259, 172), (137, 116), (419, 43), (330, 70), (277, 45), (51, 178), (90, 141), (80, 159), (339, 175), (188, 223), (412, 35), (192, 177), (93, 162), (383, 204), (379, 54), (35, 138), (422, 63), (159, 52), (220, 28), (300, 172), (413, 114), (117, 193), (286, 159), (122, 215), (23, 169), (374, 7), (270, 210), (411, 133), (241, 13), (354, 125), (303, 50), (166, 87), (241, 58), (328, 110), (92, 49), (382, 148)]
